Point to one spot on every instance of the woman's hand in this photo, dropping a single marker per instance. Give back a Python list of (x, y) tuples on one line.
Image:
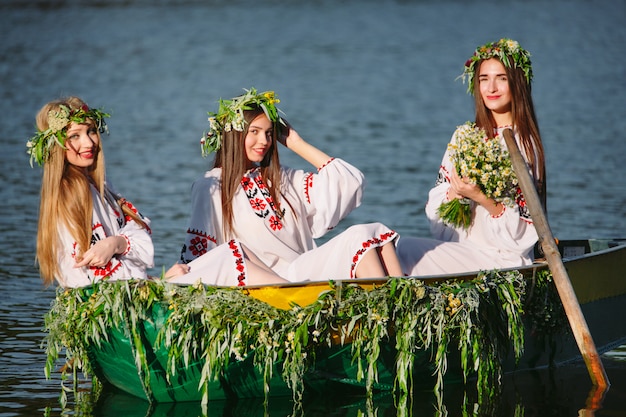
[(288, 135), (463, 188), (292, 140), (101, 253), (177, 270)]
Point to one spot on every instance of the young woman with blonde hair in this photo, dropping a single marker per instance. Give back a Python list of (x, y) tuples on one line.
[(87, 232)]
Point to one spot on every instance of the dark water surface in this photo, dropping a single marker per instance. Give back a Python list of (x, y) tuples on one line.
[(372, 82)]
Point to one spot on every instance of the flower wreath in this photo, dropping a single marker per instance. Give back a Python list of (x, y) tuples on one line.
[(230, 116), (39, 146), (502, 49)]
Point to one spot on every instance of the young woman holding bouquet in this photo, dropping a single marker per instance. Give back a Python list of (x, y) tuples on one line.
[(477, 214), (87, 232), (270, 215)]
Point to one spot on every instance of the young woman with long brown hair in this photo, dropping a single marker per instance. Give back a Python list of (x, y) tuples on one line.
[(272, 214), (499, 232)]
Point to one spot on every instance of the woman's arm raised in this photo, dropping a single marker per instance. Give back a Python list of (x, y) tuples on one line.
[(293, 141)]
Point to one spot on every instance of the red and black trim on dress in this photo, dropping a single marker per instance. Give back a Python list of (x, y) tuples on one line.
[(240, 265), (132, 208), (123, 219), (442, 176), (308, 181), (524, 213), (198, 245), (308, 184), (103, 273), (127, 245), (261, 201), (372, 243)]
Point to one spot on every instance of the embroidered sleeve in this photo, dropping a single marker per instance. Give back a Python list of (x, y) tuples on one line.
[(139, 248), (497, 216), (328, 162), (205, 220), (127, 245), (331, 194)]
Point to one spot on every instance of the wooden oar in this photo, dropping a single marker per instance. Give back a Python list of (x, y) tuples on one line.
[(555, 263)]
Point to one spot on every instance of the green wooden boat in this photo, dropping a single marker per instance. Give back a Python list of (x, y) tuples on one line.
[(131, 351)]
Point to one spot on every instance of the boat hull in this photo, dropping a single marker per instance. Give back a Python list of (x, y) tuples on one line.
[(598, 281)]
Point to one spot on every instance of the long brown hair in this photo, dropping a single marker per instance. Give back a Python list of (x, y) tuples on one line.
[(524, 121), (231, 158), (66, 197)]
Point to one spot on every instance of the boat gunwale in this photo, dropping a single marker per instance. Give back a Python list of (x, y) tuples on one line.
[(464, 276)]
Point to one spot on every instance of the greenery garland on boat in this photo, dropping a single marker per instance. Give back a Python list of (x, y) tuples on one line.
[(481, 317)]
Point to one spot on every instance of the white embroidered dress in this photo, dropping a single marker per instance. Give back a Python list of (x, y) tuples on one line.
[(491, 242), (108, 220), (311, 205)]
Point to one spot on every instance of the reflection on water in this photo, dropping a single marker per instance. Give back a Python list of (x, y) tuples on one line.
[(617, 355), (368, 81), (565, 391)]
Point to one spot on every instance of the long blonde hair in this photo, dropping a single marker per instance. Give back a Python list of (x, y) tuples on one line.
[(66, 197)]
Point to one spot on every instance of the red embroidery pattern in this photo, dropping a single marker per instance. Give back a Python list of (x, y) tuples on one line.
[(275, 223), (258, 205), (373, 242), (247, 184), (239, 264), (114, 264), (329, 161), (308, 181), (442, 175), (127, 245), (497, 216), (524, 213), (200, 243), (308, 184), (106, 271), (261, 201), (100, 273), (132, 208)]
